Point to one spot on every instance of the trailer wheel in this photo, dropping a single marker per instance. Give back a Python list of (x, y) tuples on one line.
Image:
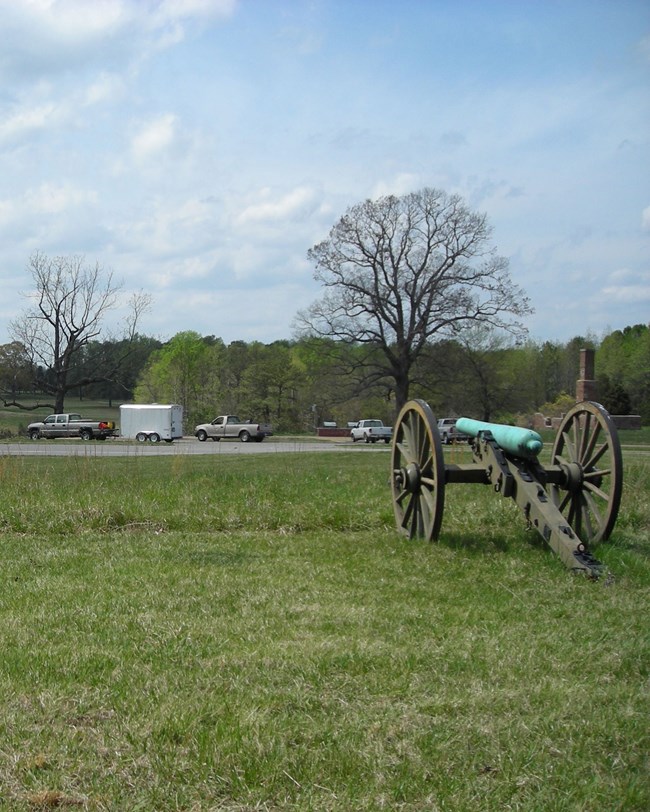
[(154, 438), (141, 437)]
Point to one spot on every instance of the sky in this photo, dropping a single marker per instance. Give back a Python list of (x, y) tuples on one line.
[(199, 148)]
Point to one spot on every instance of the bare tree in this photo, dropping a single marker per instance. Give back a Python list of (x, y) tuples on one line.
[(401, 272), (71, 300)]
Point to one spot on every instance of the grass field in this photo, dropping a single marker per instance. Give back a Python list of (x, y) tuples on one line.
[(249, 633)]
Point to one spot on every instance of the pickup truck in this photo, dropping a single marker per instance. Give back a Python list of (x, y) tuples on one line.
[(371, 431), (229, 426), (449, 433), (71, 425)]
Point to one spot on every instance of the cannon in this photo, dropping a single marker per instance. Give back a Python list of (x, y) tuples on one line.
[(573, 502)]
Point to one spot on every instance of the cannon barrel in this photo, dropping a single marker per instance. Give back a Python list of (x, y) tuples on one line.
[(517, 441)]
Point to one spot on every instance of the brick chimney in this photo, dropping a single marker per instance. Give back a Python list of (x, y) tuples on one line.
[(586, 384)]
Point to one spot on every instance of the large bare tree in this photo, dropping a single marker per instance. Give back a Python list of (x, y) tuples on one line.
[(402, 272), (70, 302)]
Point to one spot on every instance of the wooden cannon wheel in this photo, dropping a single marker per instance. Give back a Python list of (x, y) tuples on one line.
[(588, 450), (418, 472)]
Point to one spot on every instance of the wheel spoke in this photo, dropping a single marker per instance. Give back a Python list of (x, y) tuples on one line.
[(582, 434), (586, 515), (570, 446), (590, 502), (565, 501), (589, 487), (598, 473), (574, 517), (407, 513), (427, 501), (597, 456), (404, 451), (588, 451)]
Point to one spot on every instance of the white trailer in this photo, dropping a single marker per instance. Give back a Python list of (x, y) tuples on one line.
[(151, 421)]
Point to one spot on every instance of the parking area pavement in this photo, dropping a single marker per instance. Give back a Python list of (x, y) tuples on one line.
[(187, 445)]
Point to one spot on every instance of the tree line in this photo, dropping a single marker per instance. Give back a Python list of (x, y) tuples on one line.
[(299, 384), (416, 302)]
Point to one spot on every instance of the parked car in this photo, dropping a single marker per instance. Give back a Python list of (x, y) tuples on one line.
[(229, 426), (370, 431), (448, 431)]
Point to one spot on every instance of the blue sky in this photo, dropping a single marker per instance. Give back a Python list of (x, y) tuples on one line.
[(199, 148)]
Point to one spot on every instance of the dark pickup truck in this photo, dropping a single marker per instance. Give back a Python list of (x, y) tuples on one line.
[(71, 425)]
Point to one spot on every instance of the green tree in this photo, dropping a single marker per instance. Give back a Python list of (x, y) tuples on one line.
[(128, 358), (400, 271), (15, 371), (623, 360), (184, 371), (271, 385)]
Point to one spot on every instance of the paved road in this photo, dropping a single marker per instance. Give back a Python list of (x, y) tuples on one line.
[(122, 448)]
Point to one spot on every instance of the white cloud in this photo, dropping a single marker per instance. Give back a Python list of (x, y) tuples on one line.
[(154, 137), (627, 293), (51, 37), (296, 204), (645, 219), (401, 184), (25, 122), (61, 21), (54, 199), (46, 199), (181, 9), (107, 87)]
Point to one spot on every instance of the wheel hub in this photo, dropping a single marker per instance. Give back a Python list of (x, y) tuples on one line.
[(574, 476), (410, 478)]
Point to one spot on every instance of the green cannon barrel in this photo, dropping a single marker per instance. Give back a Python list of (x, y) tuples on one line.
[(517, 441)]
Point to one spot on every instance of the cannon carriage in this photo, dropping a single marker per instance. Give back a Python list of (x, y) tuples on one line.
[(573, 502)]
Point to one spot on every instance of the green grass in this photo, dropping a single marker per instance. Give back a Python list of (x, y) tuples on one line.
[(240, 633)]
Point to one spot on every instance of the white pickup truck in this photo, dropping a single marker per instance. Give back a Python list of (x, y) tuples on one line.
[(71, 425), (449, 433), (371, 431), (229, 426)]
